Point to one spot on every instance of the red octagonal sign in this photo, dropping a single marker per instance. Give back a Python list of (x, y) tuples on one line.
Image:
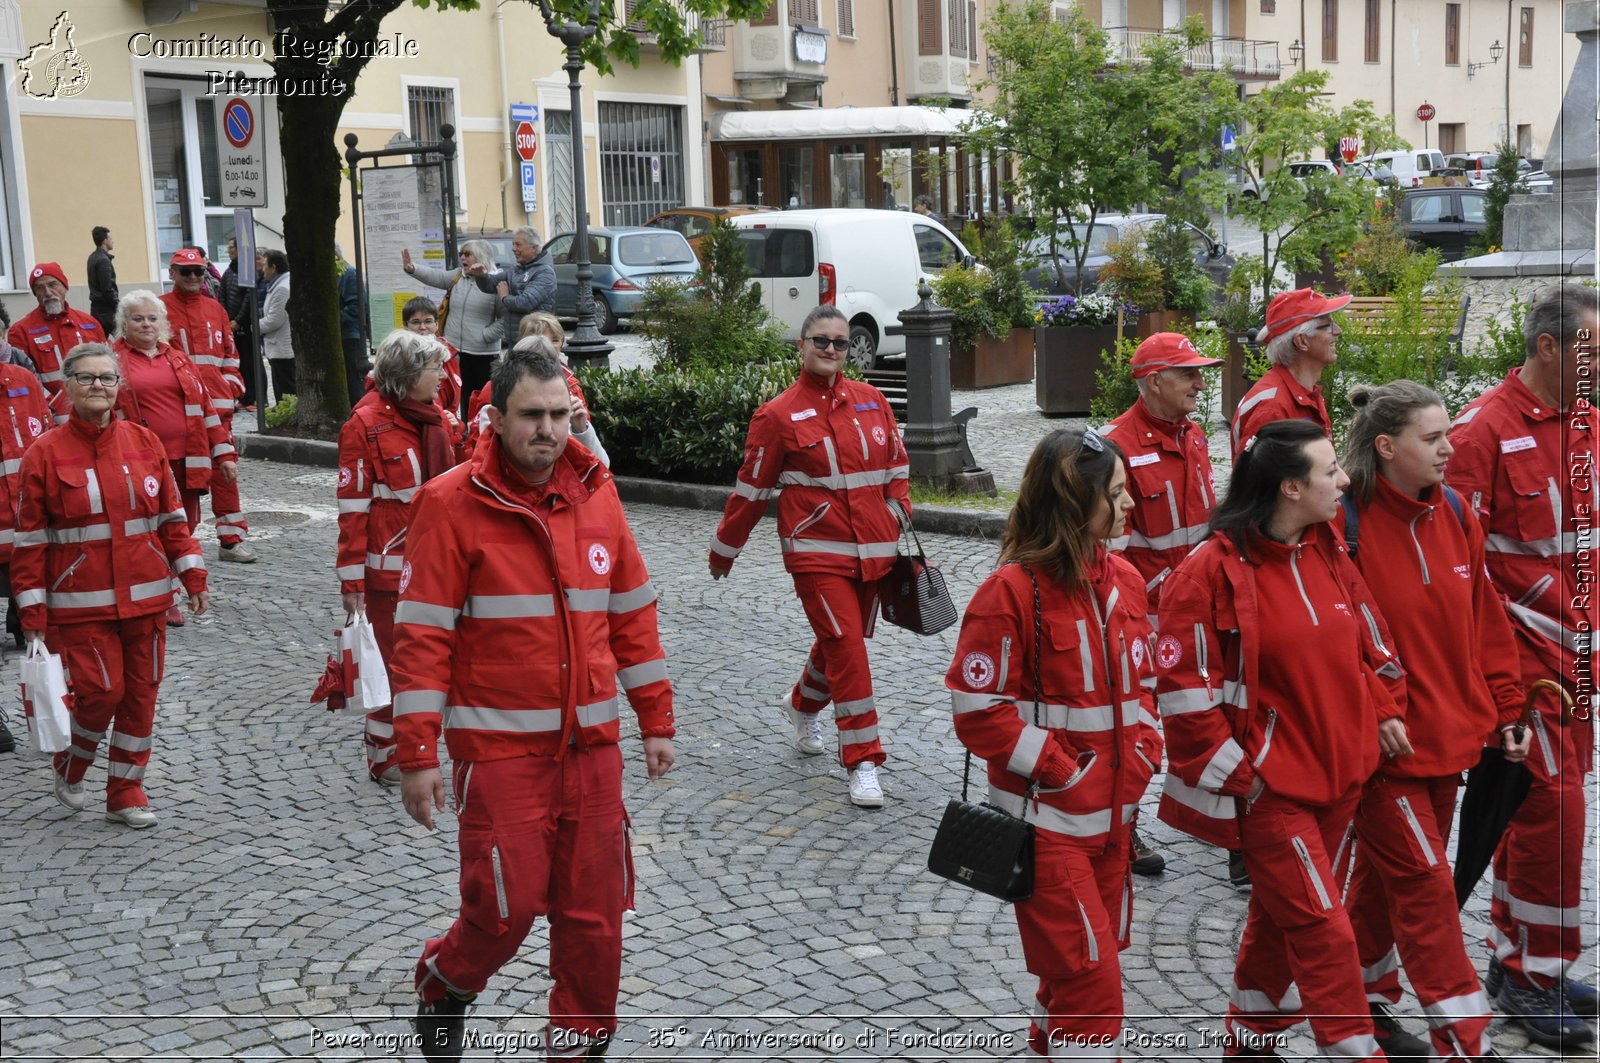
[(527, 141), (1426, 112)]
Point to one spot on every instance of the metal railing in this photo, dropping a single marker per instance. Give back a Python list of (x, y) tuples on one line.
[(713, 31), (1249, 58)]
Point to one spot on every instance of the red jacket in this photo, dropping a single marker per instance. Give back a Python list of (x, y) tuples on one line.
[(480, 639), (48, 340), (837, 453), (1277, 396), (201, 330), (26, 418), (102, 528), (380, 469), (1169, 477), (1208, 686), (1426, 571), (480, 398), (1528, 473), (1096, 725)]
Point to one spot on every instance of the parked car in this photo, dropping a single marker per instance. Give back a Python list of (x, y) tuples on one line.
[(625, 261), (1302, 170), (696, 223), (1210, 256), (1448, 219), (1412, 166), (1478, 167), (868, 263)]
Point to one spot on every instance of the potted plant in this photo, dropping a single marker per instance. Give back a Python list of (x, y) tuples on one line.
[(991, 341), (1069, 335), (1240, 316), (1155, 269)]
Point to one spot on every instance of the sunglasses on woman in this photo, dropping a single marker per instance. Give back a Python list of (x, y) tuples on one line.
[(822, 343)]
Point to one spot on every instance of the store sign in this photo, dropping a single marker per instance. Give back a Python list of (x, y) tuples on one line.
[(810, 47)]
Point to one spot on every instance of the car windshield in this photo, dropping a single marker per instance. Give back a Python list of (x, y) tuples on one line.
[(654, 249)]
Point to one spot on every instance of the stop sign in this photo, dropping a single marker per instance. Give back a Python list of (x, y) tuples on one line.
[(526, 141), (1349, 147), (1426, 112)]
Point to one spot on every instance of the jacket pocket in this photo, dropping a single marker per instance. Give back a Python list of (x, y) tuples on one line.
[(81, 496), (1158, 507), (398, 467), (1538, 500)]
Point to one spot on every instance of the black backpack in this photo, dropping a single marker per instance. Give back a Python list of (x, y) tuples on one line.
[(1352, 520)]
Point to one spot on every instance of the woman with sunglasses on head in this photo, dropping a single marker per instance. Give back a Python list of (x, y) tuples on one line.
[(1421, 551), (1046, 688), (1279, 690), (100, 534), (834, 446)]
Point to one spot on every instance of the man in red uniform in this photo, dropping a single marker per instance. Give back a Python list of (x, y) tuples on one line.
[(528, 680), (1302, 342), (200, 329), (53, 328), (1169, 479), (1525, 460)]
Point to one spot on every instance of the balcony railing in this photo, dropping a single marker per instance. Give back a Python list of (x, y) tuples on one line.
[(713, 31), (1245, 58)]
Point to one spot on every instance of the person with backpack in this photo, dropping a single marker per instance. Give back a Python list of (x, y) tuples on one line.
[(1422, 555)]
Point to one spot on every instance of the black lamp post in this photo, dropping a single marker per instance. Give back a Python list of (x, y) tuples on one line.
[(1296, 52), (585, 346), (1496, 50)]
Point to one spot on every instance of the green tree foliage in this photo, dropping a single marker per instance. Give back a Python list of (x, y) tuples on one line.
[(1088, 136), (1506, 182), (1382, 257)]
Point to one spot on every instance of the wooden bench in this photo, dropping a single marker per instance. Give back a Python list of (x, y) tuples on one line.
[(1369, 315)]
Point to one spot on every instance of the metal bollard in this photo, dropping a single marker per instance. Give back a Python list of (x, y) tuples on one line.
[(935, 444)]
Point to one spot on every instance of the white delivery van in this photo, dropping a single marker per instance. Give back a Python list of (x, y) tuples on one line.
[(1410, 167), (868, 263)]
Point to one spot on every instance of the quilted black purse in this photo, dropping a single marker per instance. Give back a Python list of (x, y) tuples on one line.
[(913, 594), (983, 847)]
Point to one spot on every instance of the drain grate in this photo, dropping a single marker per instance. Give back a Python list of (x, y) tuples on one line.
[(275, 518)]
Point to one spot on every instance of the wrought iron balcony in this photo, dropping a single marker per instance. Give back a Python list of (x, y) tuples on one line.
[(1246, 59)]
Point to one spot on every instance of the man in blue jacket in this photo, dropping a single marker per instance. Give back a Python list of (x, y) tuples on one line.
[(528, 286)]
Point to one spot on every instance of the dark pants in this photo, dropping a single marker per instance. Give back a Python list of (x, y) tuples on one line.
[(282, 376), (475, 370), (107, 319), (356, 366), (246, 343)]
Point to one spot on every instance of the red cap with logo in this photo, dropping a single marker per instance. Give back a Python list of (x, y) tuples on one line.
[(1167, 350), (47, 269), (187, 257), (1296, 308)]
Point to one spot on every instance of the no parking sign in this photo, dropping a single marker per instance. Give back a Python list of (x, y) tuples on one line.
[(241, 160)]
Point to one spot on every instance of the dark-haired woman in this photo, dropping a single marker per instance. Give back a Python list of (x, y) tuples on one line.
[(833, 445), (1420, 549), (1278, 689), (1046, 690)]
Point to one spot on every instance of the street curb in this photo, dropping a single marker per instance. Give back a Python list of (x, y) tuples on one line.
[(936, 520)]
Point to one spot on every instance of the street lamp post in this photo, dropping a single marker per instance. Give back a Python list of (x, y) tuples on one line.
[(585, 346), (1496, 50)]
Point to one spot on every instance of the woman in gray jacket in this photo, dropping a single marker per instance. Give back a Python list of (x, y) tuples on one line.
[(472, 326)]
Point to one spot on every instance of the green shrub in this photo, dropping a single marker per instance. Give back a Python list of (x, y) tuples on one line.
[(1382, 258), (966, 294), (282, 413), (684, 424), (1115, 389), (1503, 347), (1505, 182)]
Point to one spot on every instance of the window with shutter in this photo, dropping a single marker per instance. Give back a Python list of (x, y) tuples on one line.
[(972, 31), (1330, 31), (1373, 34), (929, 41), (958, 30), (803, 12), (1452, 35), (847, 18), (769, 17), (1525, 39)]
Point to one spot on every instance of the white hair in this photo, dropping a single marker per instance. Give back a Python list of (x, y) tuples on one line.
[(142, 297), (1281, 349)]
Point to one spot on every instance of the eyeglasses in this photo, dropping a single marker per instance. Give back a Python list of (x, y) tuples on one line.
[(192, 271), (89, 380), (1094, 441), (822, 343)]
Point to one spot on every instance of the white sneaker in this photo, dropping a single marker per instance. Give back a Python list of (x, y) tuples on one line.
[(241, 551), (864, 788), (137, 816), (807, 731), (68, 793), (390, 775)]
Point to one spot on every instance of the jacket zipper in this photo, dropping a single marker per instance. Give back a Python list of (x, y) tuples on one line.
[(499, 883), (70, 570), (16, 429), (1416, 829), (1540, 585), (133, 503), (1422, 558), (1294, 567), (1205, 497), (1304, 854), (105, 677), (864, 455), (816, 515), (1005, 663), (1550, 762), (1372, 626), (1200, 657), (1266, 738), (1159, 577)]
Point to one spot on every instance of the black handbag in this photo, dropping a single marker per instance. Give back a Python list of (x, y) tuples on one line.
[(913, 594), (983, 847)]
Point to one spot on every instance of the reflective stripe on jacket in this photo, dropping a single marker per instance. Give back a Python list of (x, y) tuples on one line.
[(1277, 396), (200, 329), (102, 529)]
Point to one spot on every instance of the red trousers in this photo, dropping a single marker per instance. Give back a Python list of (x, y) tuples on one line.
[(114, 670), (225, 504), (1297, 934), (842, 611), (541, 836), (379, 732), (1072, 929), (1402, 904), (1538, 869)]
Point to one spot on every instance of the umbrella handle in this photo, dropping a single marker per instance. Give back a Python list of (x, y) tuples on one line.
[(1533, 693)]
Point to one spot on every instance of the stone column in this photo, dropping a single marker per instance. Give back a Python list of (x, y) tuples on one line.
[(933, 442)]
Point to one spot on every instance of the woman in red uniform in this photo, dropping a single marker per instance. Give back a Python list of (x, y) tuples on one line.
[(397, 439), (163, 391), (100, 534), (1081, 738), (833, 445), (24, 417), (1278, 689), (1421, 551), (422, 317)]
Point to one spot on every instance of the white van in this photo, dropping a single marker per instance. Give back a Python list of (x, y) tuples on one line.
[(1410, 167), (868, 263)]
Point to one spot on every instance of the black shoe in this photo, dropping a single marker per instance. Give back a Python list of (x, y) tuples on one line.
[(1581, 997), (1238, 877), (8, 742), (1396, 1043), (442, 1028), (1144, 860)]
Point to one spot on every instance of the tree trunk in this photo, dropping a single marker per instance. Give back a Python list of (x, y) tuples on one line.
[(313, 190)]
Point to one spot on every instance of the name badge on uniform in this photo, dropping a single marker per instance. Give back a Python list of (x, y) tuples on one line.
[(803, 414), (14, 392), (1511, 446), (1143, 459), (863, 407)]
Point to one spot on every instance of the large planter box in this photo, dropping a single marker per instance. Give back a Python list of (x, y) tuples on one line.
[(1235, 383), (994, 362), (1067, 360), (1156, 321)]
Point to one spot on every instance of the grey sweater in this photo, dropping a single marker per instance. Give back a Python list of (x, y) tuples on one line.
[(474, 325)]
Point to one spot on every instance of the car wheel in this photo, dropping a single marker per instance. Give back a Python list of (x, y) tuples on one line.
[(1250, 193), (863, 347), (604, 320)]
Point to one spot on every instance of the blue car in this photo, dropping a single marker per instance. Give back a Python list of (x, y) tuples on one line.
[(625, 262)]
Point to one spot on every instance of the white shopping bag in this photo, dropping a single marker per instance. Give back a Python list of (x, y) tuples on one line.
[(44, 699), (363, 661)]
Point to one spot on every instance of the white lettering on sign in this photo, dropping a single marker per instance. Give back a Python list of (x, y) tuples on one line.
[(1511, 446), (1143, 459)]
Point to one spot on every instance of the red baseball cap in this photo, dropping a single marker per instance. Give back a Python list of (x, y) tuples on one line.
[(1296, 308), (47, 269), (1167, 350), (187, 257)]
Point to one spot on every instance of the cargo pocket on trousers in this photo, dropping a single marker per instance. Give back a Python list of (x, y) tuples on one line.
[(627, 863), (484, 901)]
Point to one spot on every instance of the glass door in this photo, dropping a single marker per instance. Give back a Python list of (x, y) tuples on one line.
[(187, 192)]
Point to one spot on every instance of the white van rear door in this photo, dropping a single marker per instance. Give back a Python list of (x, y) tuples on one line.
[(790, 276)]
